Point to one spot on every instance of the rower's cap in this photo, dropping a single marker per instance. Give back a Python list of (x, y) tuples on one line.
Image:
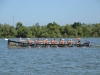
[(46, 39), (28, 38), (62, 39)]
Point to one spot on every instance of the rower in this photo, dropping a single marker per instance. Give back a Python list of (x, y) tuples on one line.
[(29, 41), (54, 41), (38, 41), (46, 41), (21, 40), (78, 40), (62, 41), (70, 41)]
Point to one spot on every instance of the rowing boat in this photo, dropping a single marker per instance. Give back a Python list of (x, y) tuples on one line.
[(15, 44)]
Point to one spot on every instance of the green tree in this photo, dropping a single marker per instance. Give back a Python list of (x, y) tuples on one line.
[(44, 31), (87, 30), (54, 30), (20, 30), (13, 32), (51, 30), (76, 24), (68, 30)]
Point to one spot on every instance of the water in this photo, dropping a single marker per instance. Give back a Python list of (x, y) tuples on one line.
[(50, 61)]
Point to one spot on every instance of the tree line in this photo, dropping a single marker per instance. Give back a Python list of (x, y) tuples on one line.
[(51, 30)]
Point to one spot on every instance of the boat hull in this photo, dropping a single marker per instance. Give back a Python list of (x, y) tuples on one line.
[(14, 44)]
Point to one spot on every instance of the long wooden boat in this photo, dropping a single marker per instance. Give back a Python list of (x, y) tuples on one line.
[(15, 44)]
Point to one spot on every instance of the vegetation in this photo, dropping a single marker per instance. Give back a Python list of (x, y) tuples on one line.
[(51, 30)]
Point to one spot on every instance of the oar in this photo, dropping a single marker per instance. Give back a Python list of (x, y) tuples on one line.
[(6, 39), (93, 42), (86, 40)]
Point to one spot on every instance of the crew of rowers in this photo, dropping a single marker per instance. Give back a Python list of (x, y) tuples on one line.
[(54, 41), (46, 41)]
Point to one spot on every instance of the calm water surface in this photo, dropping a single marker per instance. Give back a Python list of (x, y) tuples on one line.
[(50, 61)]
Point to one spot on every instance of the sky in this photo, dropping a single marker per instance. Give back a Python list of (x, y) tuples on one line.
[(63, 12)]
